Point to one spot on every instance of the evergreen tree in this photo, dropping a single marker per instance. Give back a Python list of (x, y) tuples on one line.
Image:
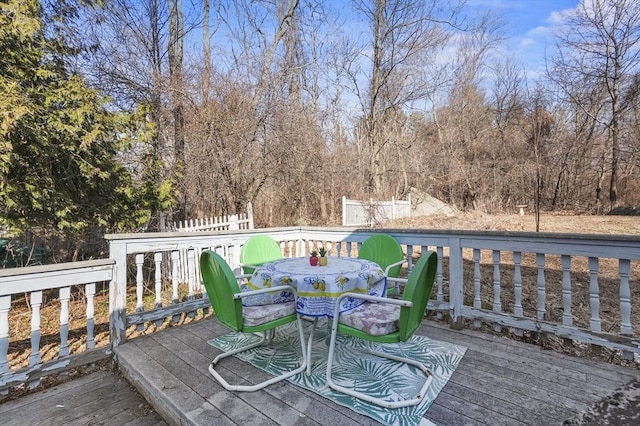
[(59, 144)]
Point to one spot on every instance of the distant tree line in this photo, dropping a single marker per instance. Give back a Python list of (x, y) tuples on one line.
[(126, 114)]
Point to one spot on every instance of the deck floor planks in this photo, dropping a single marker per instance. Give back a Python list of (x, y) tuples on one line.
[(587, 367), (98, 398), (499, 382), (309, 402), (306, 404), (498, 361), (473, 374), (549, 370)]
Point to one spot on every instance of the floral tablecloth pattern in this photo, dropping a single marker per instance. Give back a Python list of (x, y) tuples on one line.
[(318, 287)]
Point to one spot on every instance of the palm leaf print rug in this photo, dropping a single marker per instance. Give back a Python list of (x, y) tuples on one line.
[(378, 376)]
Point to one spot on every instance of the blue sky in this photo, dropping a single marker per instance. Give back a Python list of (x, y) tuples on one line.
[(529, 25)]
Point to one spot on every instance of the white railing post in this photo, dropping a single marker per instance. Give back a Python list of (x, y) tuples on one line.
[(91, 292), (456, 282), (34, 358), (477, 301), (118, 293), (5, 305)]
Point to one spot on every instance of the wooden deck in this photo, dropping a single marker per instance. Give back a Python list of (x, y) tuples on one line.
[(499, 382), (100, 398)]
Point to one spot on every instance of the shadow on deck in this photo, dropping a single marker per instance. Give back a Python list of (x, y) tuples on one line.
[(499, 382)]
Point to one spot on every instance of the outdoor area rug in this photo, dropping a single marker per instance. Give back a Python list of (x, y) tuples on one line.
[(378, 376)]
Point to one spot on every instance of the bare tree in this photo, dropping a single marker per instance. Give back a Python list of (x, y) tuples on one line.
[(599, 46), (404, 35)]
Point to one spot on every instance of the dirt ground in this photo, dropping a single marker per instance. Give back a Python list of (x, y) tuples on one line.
[(560, 223)]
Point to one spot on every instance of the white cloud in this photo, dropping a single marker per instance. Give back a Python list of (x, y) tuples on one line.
[(527, 42)]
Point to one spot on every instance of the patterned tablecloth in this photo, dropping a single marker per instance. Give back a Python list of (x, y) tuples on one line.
[(318, 287)]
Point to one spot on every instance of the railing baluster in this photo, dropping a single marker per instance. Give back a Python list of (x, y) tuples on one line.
[(175, 264), (175, 260), (541, 283), (157, 258), (594, 294), (34, 358), (517, 288), (65, 295), (5, 306), (349, 248), (139, 287), (191, 257), (567, 317), (477, 299), (410, 253), (625, 297), (90, 290), (624, 267), (497, 304), (439, 280)]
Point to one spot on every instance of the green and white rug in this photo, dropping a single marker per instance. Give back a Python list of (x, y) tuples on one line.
[(353, 367)]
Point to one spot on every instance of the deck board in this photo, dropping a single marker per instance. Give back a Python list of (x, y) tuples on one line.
[(499, 382), (98, 398)]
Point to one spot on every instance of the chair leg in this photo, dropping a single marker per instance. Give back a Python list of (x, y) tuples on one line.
[(261, 385), (313, 329), (378, 401)]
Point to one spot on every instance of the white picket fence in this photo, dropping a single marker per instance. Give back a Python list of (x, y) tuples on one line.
[(372, 212), (232, 222)]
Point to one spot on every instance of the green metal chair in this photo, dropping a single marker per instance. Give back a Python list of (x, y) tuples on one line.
[(384, 250), (382, 320), (257, 250), (224, 293)]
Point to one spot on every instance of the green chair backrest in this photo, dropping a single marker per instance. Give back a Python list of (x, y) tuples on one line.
[(257, 250), (221, 285), (417, 290), (384, 250)]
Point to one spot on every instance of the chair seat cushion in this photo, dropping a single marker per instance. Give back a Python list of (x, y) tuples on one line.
[(376, 319), (256, 315)]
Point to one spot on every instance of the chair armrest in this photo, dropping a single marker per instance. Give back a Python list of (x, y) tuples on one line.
[(393, 265), (241, 277), (265, 290), (398, 280)]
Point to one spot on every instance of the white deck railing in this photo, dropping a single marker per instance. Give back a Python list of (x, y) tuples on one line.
[(535, 282), (31, 283)]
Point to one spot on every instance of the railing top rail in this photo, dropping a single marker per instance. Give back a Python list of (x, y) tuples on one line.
[(184, 234), (400, 232), (44, 277), (54, 267)]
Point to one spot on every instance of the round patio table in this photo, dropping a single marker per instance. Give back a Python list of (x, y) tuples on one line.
[(318, 287)]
